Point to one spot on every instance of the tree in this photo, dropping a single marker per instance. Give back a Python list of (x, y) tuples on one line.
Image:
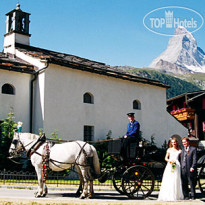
[(8, 127), (106, 161)]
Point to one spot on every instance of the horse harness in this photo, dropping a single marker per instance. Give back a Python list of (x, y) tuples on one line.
[(46, 156), (36, 145), (45, 162)]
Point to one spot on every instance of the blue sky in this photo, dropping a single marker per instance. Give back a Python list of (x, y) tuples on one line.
[(108, 31)]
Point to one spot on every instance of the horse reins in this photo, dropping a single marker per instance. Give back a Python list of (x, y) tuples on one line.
[(34, 150), (42, 140)]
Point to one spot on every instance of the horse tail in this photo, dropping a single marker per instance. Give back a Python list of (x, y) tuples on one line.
[(96, 163)]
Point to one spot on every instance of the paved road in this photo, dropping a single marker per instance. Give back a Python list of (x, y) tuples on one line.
[(26, 196)]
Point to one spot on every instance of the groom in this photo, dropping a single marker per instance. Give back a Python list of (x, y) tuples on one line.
[(188, 168)]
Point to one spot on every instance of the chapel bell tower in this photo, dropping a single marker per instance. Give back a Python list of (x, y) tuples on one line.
[(17, 29)]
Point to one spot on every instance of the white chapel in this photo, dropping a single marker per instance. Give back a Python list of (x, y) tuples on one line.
[(80, 98)]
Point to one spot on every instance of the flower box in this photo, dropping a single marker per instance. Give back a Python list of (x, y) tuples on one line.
[(184, 114)]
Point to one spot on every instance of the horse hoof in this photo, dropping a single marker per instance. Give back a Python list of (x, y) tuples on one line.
[(38, 195), (88, 197), (82, 197)]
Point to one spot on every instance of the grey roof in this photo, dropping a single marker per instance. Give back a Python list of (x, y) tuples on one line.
[(13, 64), (188, 94), (83, 64)]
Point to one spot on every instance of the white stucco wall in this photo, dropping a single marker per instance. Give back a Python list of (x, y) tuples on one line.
[(38, 108), (65, 111), (11, 38), (18, 102), (59, 104), (175, 127)]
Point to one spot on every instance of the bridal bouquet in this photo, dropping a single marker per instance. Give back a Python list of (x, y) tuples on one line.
[(173, 164)]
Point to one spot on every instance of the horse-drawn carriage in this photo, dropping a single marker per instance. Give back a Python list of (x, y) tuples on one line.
[(135, 177)]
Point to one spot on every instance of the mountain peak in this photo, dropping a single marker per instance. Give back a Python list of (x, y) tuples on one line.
[(182, 54), (181, 30)]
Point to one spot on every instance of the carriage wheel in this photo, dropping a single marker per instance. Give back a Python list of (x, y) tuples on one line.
[(138, 182), (117, 176), (201, 179)]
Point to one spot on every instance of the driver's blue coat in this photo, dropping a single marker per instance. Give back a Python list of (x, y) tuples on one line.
[(133, 129)]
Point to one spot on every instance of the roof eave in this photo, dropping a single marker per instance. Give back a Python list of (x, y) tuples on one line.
[(100, 68), (17, 69), (183, 95), (110, 73)]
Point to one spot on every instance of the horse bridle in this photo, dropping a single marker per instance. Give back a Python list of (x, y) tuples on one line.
[(17, 152)]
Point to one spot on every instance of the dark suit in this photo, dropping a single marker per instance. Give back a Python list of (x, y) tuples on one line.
[(188, 160)]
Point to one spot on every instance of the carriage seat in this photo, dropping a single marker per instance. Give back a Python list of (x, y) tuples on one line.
[(114, 147), (133, 150)]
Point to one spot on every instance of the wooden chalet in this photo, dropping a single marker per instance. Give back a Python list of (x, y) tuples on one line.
[(189, 109)]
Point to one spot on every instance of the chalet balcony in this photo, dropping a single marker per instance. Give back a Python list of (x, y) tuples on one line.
[(184, 114)]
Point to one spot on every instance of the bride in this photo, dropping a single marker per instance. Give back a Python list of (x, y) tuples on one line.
[(171, 188)]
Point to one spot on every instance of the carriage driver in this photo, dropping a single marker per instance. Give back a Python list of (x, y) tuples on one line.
[(132, 134)]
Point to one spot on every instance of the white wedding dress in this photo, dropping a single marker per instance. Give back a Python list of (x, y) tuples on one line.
[(171, 188)]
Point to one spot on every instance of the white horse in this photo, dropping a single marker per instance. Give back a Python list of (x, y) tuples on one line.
[(62, 156)]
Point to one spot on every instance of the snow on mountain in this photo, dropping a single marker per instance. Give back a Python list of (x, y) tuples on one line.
[(182, 54)]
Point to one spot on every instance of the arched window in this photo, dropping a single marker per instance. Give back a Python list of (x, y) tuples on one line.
[(7, 89), (88, 98), (136, 105)]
